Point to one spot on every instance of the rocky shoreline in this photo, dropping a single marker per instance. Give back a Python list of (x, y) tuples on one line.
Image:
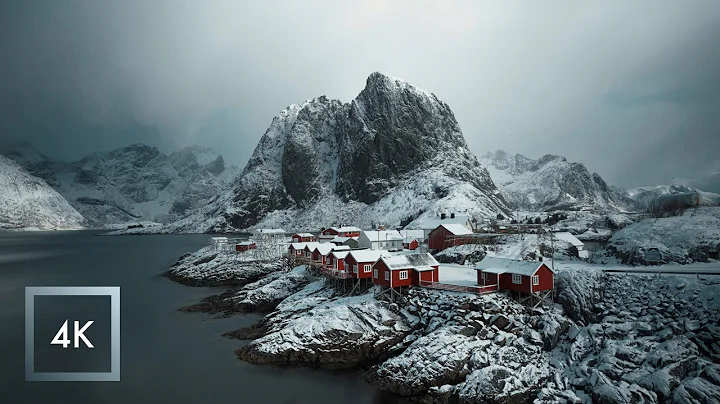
[(609, 338)]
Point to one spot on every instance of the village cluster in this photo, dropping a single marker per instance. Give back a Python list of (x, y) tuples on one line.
[(393, 260)]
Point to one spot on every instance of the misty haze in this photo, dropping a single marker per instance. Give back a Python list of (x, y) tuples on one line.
[(446, 201)]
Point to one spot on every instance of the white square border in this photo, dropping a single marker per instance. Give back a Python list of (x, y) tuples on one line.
[(113, 375)]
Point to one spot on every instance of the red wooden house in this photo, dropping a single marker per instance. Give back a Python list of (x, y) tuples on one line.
[(322, 252), (345, 231), (517, 276), (360, 262), (405, 270), (310, 248), (437, 238), (245, 246), (412, 245), (297, 249), (336, 260), (302, 237)]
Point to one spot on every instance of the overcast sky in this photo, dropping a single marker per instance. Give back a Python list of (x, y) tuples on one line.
[(629, 88)]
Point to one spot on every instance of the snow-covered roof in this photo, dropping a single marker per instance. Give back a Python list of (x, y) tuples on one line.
[(298, 246), (410, 235), (431, 224), (340, 254), (246, 243), (325, 248), (310, 245), (496, 265), (270, 231), (219, 239), (339, 239), (368, 255), (383, 235), (418, 262), (456, 229), (303, 235), (567, 237), (346, 229)]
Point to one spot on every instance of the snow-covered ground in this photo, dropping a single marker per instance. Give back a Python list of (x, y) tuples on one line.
[(454, 274)]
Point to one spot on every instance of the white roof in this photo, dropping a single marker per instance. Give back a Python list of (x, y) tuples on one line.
[(345, 229), (567, 237), (303, 234), (368, 255), (340, 254), (339, 239), (410, 235), (219, 238), (431, 224), (383, 235), (310, 245), (456, 229), (325, 248), (298, 246), (496, 265), (418, 262), (249, 242)]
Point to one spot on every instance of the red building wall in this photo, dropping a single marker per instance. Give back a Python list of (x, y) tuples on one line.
[(350, 261), (395, 276), (413, 245), (425, 276), (547, 281), (490, 280), (507, 284), (436, 239)]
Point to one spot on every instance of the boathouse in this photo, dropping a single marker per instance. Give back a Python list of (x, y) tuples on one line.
[(438, 238), (518, 276), (245, 246), (336, 259), (309, 249), (360, 262), (323, 250), (297, 249), (302, 237), (405, 270)]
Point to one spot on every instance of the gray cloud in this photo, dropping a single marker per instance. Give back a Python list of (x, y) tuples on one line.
[(613, 84)]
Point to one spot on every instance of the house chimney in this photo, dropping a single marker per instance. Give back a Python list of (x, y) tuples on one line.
[(452, 216), (442, 216)]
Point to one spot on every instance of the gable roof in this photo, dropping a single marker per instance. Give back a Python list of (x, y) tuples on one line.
[(383, 235), (345, 229), (298, 246), (410, 235), (568, 238), (418, 262), (248, 242), (456, 229), (368, 255), (303, 235), (310, 245), (326, 248), (431, 224), (496, 265), (340, 254)]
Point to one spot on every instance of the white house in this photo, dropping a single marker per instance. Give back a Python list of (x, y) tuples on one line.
[(389, 240), (570, 239), (428, 225)]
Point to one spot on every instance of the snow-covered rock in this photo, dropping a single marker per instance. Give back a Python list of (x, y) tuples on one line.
[(133, 183), (210, 267), (552, 183), (645, 196), (693, 236), (393, 154), (28, 202)]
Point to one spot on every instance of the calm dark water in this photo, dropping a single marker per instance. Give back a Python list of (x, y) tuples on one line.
[(166, 356)]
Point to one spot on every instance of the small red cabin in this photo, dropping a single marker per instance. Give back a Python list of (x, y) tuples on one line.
[(517, 276), (297, 249), (412, 245), (336, 260), (345, 231), (405, 270), (360, 262), (437, 238), (245, 246), (302, 237), (309, 248)]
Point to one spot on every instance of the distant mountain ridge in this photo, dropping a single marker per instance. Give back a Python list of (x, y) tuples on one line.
[(28, 202), (552, 183), (395, 153), (132, 183)]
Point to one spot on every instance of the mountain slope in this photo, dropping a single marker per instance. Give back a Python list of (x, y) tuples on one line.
[(552, 183), (393, 154), (644, 196), (29, 202), (132, 183)]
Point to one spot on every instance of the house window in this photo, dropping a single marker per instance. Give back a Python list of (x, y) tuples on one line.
[(403, 275), (516, 278), (367, 267), (536, 280), (484, 276), (387, 275), (375, 274)]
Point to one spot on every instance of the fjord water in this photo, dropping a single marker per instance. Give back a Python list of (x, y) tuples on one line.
[(166, 355)]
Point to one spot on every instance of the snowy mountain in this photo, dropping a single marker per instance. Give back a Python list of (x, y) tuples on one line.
[(552, 183), (393, 154), (133, 183), (645, 195), (28, 202)]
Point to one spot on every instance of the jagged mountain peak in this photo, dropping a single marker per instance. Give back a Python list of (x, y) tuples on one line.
[(552, 183)]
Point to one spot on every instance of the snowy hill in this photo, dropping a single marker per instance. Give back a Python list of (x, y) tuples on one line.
[(28, 202), (395, 153), (133, 183), (552, 183), (645, 195)]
